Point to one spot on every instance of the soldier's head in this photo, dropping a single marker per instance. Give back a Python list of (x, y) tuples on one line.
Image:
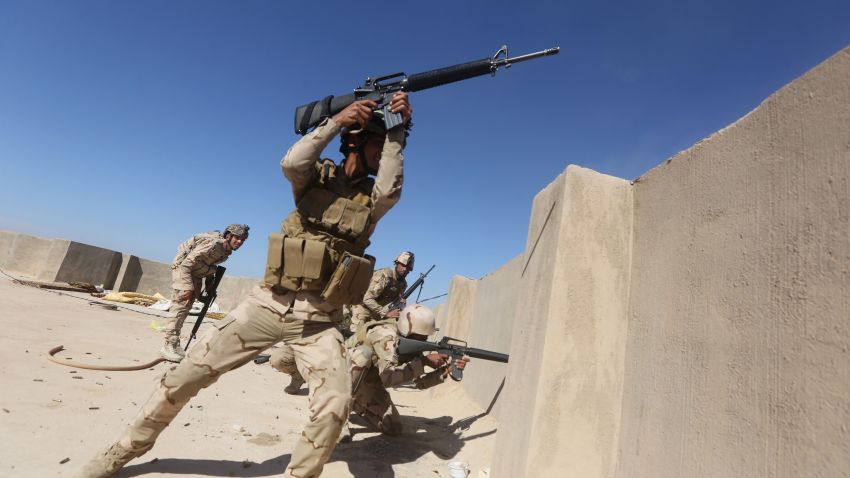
[(416, 322), (364, 145), (235, 235), (404, 263)]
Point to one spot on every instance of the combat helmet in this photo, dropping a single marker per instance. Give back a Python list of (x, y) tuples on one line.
[(416, 319), (240, 230), (406, 258)]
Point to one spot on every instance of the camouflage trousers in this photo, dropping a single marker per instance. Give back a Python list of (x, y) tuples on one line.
[(181, 308), (372, 402), (252, 327), (283, 360)]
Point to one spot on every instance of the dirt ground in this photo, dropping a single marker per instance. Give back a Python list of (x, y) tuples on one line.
[(54, 418)]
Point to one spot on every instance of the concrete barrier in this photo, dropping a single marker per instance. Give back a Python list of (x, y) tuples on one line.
[(59, 260), (739, 346), (456, 313), (490, 329), (563, 390)]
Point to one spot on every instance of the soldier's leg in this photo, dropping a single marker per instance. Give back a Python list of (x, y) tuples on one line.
[(246, 331), (321, 359), (283, 360), (373, 402), (171, 350)]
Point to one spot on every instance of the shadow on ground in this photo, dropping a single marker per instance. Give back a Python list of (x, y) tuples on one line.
[(374, 456), (175, 466)]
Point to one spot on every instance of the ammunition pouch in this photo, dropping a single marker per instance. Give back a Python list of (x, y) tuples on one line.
[(350, 280), (334, 214), (297, 264), (307, 265)]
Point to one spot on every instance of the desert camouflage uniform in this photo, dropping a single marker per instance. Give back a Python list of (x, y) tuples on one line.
[(196, 259), (376, 365), (386, 287), (301, 320)]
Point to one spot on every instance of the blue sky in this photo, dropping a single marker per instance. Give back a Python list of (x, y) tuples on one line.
[(133, 125)]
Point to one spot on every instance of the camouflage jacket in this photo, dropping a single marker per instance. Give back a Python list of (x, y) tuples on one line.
[(299, 167), (377, 349), (197, 257), (386, 287)]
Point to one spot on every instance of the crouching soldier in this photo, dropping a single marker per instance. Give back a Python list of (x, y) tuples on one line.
[(376, 365)]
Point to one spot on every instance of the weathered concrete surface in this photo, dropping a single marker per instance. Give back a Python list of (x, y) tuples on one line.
[(458, 308), (739, 342), (85, 263), (32, 256), (490, 329), (570, 332)]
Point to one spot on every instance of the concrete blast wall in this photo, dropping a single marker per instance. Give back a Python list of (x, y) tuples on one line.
[(58, 260), (691, 323), (738, 357)]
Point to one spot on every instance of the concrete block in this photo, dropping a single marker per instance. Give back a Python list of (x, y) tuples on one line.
[(7, 239), (739, 347), (155, 277), (458, 308), (490, 329), (233, 289), (563, 392), (91, 264), (129, 274), (35, 257)]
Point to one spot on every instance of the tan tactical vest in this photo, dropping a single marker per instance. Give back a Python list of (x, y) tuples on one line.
[(322, 242)]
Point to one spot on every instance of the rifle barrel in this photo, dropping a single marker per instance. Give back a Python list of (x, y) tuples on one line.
[(486, 355), (529, 56)]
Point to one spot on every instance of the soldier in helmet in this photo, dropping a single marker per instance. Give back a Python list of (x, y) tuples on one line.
[(380, 302), (375, 365), (196, 261), (315, 266), (385, 289)]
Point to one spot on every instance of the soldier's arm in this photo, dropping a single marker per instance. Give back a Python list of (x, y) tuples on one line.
[(388, 182), (432, 378), (376, 288), (298, 163), (383, 339)]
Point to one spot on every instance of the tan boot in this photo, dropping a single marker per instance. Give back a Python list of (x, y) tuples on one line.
[(172, 351), (106, 463), (294, 384)]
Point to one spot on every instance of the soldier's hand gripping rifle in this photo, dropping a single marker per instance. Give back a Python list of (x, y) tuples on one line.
[(382, 88), (454, 348), (207, 299), (399, 304)]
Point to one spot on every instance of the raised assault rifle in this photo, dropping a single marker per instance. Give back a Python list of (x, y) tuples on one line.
[(382, 88), (398, 304), (207, 299), (454, 348)]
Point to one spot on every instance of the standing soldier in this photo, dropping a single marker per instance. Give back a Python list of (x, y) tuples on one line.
[(376, 365), (196, 260), (385, 289), (315, 266)]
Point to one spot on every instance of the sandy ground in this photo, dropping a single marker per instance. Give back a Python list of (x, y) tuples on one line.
[(54, 418)]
